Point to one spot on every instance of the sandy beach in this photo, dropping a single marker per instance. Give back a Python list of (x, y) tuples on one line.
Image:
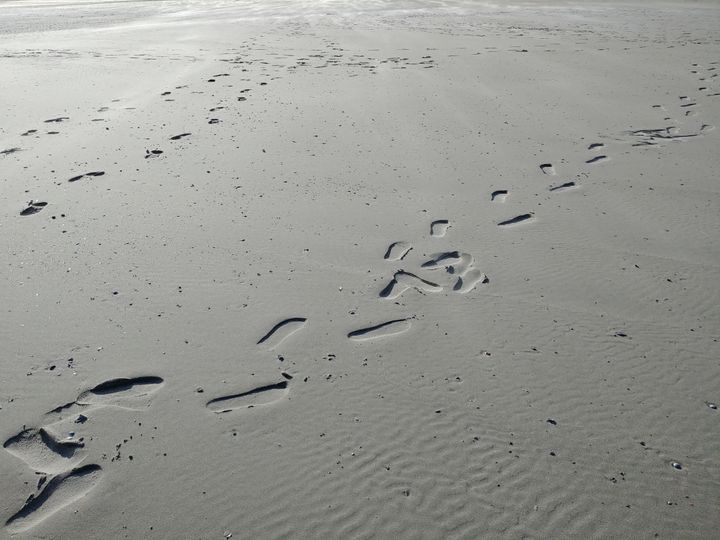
[(340, 269)]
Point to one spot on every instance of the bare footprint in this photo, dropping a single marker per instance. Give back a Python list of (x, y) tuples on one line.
[(561, 187), (517, 219), (547, 168), (500, 195), (116, 391), (438, 228), (442, 260), (281, 331), (63, 490), (467, 283), (454, 262), (91, 174), (262, 395), (43, 452), (382, 330), (33, 208), (397, 251), (402, 281)]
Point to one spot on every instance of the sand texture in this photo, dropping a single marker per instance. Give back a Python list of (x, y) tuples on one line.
[(343, 269)]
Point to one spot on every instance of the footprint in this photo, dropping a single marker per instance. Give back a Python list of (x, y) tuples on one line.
[(516, 219), (500, 195), (33, 208), (442, 260), (439, 227), (547, 168), (57, 120), (152, 153), (110, 392), (460, 268), (281, 331), (596, 159), (91, 174), (43, 452), (386, 329), (28, 132), (596, 145), (178, 137), (402, 281), (560, 187), (63, 490), (262, 395), (467, 283), (453, 262), (9, 151), (397, 251)]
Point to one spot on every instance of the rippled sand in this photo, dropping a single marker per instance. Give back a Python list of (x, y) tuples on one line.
[(359, 270)]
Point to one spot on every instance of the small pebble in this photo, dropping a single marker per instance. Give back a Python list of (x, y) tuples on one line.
[(677, 465)]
